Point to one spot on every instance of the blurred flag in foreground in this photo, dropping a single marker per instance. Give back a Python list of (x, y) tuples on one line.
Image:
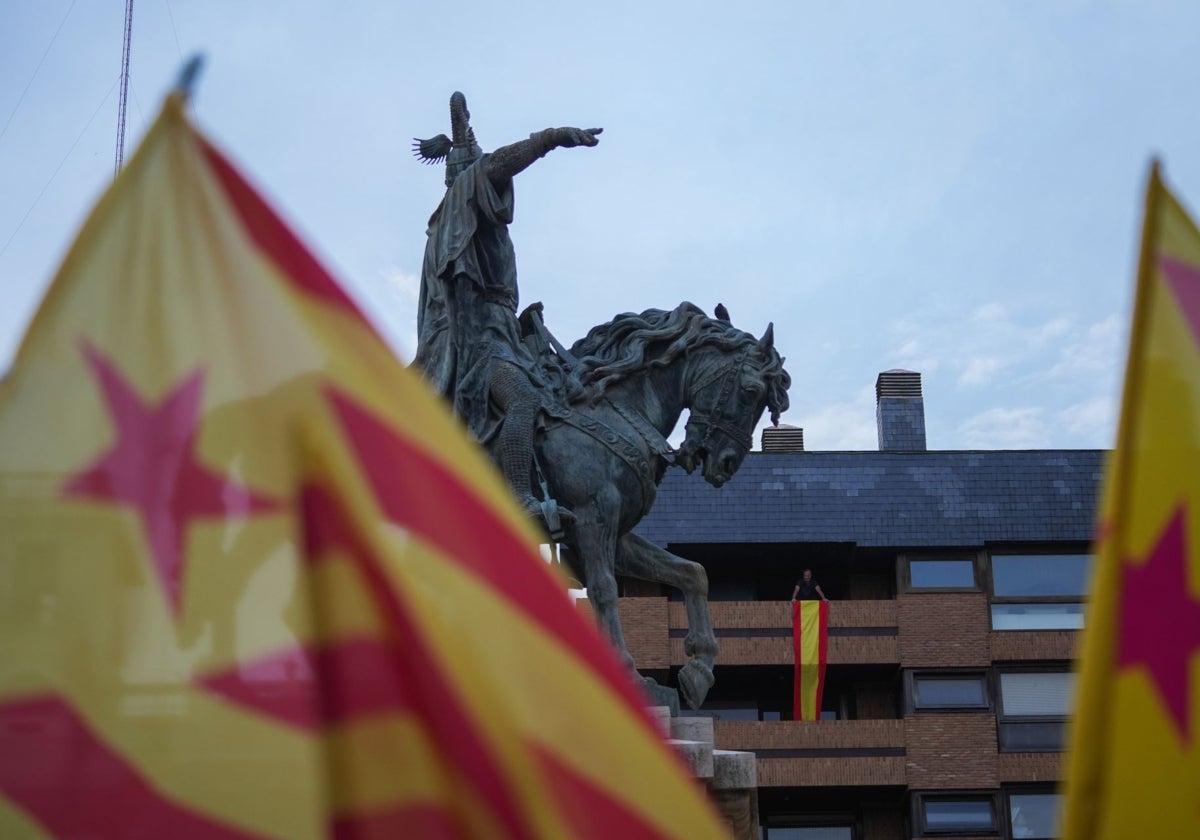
[(1134, 767), (810, 626), (253, 580)]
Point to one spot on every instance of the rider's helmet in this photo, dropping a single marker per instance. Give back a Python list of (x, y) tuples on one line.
[(460, 149)]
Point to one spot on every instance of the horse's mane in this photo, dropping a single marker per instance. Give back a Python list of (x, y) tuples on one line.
[(611, 352)]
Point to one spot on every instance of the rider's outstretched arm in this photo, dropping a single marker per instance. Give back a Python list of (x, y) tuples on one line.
[(514, 158)]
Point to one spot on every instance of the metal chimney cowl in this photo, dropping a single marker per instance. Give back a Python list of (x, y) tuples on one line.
[(783, 438)]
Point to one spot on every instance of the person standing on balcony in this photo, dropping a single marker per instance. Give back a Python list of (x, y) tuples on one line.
[(807, 589)]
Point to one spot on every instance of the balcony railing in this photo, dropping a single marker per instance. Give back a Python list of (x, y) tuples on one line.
[(760, 632), (822, 753)]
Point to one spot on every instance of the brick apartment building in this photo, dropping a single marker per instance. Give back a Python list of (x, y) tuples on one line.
[(957, 580)]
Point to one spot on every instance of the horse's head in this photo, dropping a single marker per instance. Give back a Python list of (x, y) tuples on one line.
[(732, 380)]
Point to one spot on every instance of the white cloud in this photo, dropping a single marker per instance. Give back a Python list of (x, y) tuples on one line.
[(829, 348), (1095, 418), (990, 313), (408, 346), (1053, 328), (912, 356), (1006, 428), (1021, 356), (925, 366), (404, 290), (979, 370), (841, 425), (405, 286), (1095, 352)]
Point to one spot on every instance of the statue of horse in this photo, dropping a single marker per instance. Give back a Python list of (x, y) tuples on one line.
[(606, 455)]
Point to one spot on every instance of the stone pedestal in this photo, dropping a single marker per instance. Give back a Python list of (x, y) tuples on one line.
[(729, 777), (735, 790)]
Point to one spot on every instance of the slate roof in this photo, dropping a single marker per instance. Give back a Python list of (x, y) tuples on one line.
[(886, 499)]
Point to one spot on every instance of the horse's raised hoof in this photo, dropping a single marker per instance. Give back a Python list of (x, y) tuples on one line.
[(695, 679)]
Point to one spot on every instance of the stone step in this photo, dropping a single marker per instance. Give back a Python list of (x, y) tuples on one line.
[(661, 715), (692, 729), (698, 755), (734, 769), (730, 777)]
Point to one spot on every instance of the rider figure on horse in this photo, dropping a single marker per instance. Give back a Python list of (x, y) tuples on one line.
[(468, 338)]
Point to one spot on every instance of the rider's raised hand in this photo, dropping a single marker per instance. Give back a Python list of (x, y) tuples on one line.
[(571, 137)]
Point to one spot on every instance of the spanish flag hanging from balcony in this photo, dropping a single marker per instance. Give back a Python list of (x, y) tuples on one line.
[(1134, 767), (253, 580), (810, 623)]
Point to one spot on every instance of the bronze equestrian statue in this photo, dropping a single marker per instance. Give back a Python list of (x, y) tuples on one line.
[(596, 415), (468, 342)]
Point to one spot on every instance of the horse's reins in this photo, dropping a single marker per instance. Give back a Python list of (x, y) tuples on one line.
[(719, 423)]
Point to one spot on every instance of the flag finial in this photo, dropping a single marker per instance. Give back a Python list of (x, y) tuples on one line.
[(187, 76)]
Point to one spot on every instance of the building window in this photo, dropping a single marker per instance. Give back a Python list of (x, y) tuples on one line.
[(809, 832), (1033, 815), (1040, 575), (941, 573), (1039, 591), (956, 814), (1033, 710), (942, 691), (1037, 616)]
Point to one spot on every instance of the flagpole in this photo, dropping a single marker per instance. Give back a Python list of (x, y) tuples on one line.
[(1131, 395), (1086, 801), (123, 101)]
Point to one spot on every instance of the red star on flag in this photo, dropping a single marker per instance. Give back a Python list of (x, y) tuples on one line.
[(1184, 280), (1160, 620), (151, 466)]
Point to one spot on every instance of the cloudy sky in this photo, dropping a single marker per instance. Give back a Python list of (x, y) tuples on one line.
[(952, 188)]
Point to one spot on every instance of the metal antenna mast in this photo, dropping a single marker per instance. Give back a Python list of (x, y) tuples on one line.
[(124, 100)]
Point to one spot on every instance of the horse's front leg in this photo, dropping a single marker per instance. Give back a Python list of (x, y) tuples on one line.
[(596, 541), (639, 558)]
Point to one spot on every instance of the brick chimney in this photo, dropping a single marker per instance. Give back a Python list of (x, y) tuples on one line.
[(900, 411)]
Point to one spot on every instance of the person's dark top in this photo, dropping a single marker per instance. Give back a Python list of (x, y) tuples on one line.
[(808, 590)]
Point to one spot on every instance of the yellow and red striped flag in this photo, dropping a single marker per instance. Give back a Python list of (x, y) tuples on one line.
[(810, 630), (254, 582), (1134, 765)]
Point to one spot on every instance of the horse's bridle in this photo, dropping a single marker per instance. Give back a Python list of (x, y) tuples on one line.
[(713, 422)]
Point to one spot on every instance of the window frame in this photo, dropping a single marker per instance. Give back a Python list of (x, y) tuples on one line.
[(1009, 791), (913, 676), (1016, 551), (819, 820), (921, 825), (905, 572), (1039, 599), (1004, 719), (1000, 602)]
